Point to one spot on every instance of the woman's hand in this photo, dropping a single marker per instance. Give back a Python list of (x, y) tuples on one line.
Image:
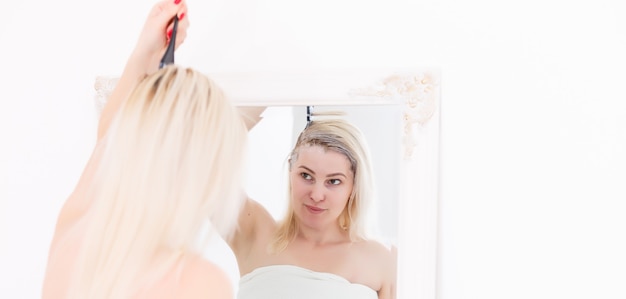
[(145, 58), (157, 30)]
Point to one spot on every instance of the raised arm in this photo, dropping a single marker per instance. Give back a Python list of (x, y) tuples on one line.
[(255, 224), (145, 57), (143, 60), (254, 220)]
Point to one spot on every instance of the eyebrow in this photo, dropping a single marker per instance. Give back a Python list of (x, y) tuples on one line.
[(329, 175)]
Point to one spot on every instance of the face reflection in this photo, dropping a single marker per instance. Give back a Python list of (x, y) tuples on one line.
[(321, 183)]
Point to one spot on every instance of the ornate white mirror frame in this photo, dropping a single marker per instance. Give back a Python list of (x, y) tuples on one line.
[(418, 90)]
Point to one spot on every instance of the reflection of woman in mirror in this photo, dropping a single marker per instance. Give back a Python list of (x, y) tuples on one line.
[(132, 226), (320, 249)]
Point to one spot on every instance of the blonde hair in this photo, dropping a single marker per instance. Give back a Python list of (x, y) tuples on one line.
[(172, 164), (340, 136)]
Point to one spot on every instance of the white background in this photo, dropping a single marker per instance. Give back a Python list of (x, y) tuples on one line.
[(533, 120)]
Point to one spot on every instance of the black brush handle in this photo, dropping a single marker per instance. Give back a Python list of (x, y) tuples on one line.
[(168, 57)]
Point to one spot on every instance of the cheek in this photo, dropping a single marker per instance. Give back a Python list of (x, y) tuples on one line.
[(344, 199), (339, 196), (345, 195), (297, 188)]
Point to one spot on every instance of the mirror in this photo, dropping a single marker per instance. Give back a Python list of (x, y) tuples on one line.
[(397, 111), (380, 125)]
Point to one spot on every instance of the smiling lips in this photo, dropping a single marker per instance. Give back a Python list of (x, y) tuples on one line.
[(314, 210)]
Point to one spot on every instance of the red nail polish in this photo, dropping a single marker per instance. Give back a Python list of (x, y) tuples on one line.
[(182, 15), (176, 1), (169, 34)]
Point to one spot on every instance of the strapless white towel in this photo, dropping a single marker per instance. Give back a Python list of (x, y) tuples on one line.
[(293, 282)]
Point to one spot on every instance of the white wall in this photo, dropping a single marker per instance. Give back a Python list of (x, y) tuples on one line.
[(533, 126), (533, 142)]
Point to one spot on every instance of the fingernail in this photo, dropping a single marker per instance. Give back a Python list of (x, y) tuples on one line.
[(182, 15), (169, 34), (176, 1)]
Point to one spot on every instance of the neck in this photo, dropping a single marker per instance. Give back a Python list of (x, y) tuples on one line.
[(330, 234)]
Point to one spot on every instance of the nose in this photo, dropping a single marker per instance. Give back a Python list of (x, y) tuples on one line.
[(317, 193)]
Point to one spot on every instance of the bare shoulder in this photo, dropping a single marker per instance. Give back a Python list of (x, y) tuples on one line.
[(379, 251), (203, 279), (384, 259)]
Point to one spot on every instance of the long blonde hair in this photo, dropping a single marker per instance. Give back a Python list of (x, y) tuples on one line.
[(172, 164), (337, 135)]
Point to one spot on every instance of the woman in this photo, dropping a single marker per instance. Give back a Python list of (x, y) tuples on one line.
[(320, 249), (167, 164)]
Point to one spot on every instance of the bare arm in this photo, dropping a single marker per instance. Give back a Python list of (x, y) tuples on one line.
[(252, 212), (143, 60), (389, 266), (138, 65), (253, 220), (145, 57), (132, 74)]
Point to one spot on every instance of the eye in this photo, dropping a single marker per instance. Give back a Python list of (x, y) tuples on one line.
[(334, 181), (306, 176)]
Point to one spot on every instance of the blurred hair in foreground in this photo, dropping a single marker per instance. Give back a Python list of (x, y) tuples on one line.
[(171, 167)]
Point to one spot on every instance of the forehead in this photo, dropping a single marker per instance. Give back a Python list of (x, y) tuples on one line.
[(322, 160)]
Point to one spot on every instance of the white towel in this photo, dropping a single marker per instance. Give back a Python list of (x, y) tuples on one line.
[(293, 282)]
